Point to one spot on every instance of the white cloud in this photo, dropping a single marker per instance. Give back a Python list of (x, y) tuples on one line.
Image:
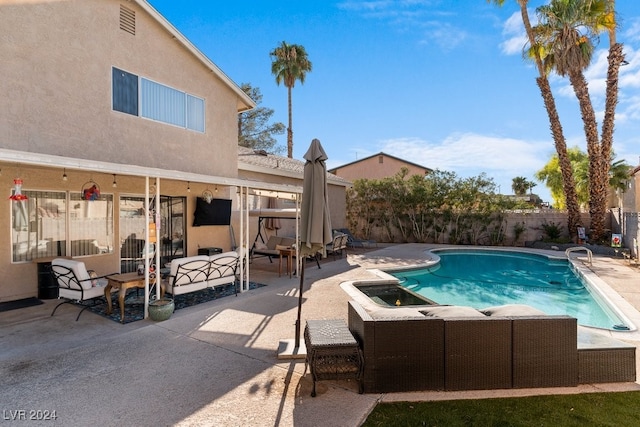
[(632, 31), (516, 37), (413, 14), (443, 34), (467, 152)]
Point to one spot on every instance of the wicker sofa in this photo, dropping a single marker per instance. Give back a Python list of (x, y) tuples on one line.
[(453, 348)]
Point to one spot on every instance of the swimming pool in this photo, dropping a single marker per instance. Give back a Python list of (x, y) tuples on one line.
[(484, 278)]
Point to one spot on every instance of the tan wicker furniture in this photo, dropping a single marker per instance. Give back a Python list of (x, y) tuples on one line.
[(332, 352)]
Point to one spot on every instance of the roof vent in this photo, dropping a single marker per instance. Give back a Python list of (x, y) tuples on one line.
[(127, 20), (261, 152)]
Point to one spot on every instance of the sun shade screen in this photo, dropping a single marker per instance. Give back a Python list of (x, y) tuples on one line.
[(218, 212)]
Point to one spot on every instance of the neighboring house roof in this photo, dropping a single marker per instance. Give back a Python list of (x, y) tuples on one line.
[(333, 170), (271, 164), (244, 101)]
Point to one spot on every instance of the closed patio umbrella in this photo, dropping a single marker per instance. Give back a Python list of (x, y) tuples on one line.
[(315, 221)]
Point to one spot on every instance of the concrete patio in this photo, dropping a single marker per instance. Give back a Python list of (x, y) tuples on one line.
[(215, 364)]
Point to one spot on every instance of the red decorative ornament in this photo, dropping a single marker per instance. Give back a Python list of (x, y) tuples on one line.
[(17, 191), (90, 191)]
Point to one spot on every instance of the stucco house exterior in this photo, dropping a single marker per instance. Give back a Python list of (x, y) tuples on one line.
[(377, 166), (107, 95)]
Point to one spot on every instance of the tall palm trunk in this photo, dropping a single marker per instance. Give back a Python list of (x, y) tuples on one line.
[(597, 183), (290, 128), (568, 183), (616, 57), (615, 60), (599, 151)]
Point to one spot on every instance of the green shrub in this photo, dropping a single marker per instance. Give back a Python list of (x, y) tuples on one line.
[(552, 230)]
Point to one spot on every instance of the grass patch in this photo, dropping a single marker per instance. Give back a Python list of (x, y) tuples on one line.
[(587, 409)]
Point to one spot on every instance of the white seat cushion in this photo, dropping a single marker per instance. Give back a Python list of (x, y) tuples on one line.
[(176, 262), (85, 294), (78, 268)]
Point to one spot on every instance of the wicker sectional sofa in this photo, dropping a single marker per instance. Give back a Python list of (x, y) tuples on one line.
[(458, 348)]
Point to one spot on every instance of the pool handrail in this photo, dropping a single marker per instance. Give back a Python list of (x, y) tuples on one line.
[(580, 248)]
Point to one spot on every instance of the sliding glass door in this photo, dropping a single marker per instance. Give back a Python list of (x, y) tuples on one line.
[(171, 236)]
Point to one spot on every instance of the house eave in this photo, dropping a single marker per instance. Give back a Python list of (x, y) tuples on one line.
[(71, 163)]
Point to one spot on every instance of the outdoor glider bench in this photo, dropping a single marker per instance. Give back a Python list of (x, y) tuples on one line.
[(190, 274), (270, 249)]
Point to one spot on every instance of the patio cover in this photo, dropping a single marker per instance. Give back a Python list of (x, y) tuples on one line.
[(244, 187)]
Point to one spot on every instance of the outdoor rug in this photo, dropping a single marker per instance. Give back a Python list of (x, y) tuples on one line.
[(134, 301), (21, 303)]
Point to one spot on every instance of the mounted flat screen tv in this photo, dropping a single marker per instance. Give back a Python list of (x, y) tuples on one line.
[(215, 212)]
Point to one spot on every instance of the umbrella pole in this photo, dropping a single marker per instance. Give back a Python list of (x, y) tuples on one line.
[(297, 344)]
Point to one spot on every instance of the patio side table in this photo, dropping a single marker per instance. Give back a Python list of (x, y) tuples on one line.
[(332, 352)]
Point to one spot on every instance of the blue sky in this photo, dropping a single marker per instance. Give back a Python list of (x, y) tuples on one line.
[(436, 82)]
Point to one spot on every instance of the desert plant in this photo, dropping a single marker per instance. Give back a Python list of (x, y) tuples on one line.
[(518, 229), (552, 230)]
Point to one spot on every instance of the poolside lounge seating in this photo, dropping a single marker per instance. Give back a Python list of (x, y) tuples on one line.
[(337, 245), (353, 242), (459, 348)]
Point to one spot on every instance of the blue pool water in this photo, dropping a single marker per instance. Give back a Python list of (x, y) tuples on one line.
[(481, 278)]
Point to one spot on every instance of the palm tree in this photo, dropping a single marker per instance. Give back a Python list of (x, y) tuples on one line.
[(290, 63), (571, 198), (519, 185), (565, 40), (550, 175)]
